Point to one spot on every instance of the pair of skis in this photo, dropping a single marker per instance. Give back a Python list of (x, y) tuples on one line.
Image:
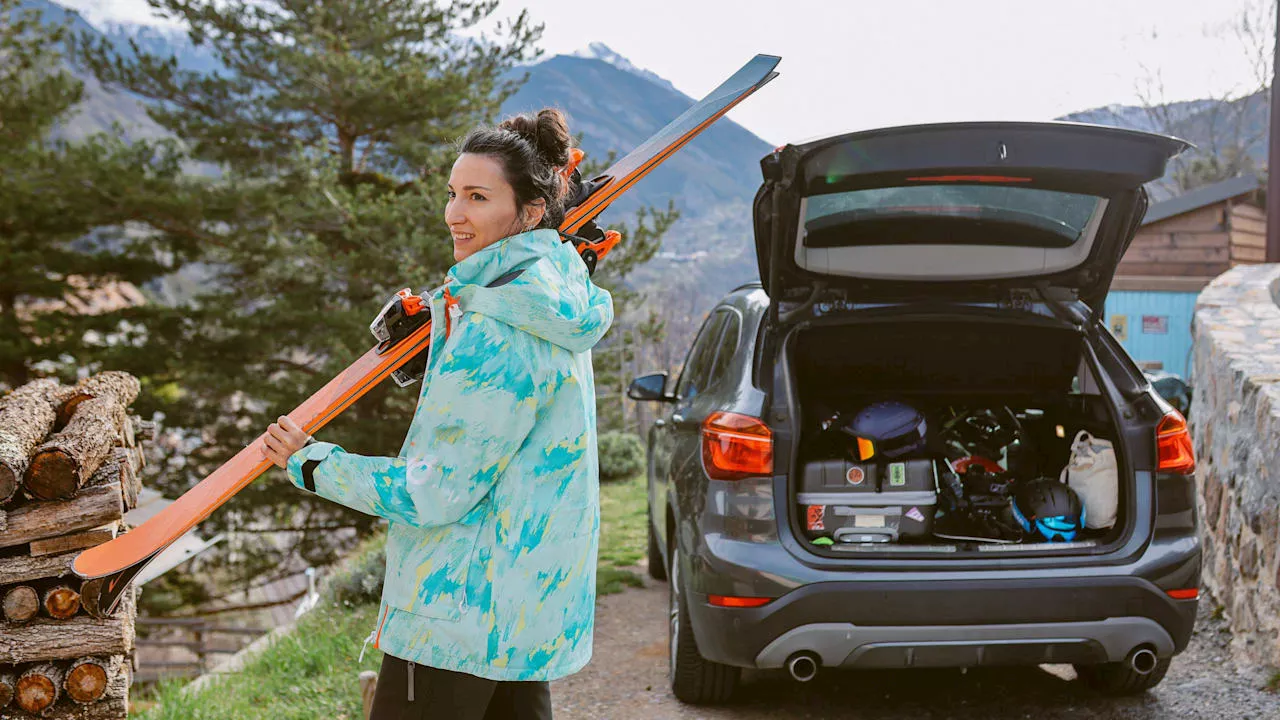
[(112, 566)]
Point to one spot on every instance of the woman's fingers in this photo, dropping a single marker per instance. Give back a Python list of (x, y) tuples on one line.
[(271, 448), (282, 439), (290, 431)]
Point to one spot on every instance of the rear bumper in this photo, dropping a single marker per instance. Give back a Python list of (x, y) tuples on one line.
[(949, 623), (846, 645)]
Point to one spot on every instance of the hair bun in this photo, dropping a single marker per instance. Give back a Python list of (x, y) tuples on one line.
[(548, 132)]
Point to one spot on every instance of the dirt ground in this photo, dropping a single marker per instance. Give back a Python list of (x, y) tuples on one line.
[(627, 678)]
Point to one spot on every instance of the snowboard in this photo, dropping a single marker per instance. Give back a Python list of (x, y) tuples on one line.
[(112, 566)]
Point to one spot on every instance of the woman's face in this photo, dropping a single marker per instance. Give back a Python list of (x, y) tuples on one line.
[(482, 206)]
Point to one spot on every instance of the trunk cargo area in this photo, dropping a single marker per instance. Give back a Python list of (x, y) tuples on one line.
[(945, 434)]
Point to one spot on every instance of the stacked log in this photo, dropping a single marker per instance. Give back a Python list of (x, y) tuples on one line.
[(88, 688), (71, 460)]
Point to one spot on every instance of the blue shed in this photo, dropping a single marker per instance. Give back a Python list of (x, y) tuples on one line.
[(1183, 243)]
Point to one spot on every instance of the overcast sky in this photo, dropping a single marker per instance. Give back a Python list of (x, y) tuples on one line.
[(857, 64)]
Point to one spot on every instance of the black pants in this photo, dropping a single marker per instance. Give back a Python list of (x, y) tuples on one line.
[(447, 695)]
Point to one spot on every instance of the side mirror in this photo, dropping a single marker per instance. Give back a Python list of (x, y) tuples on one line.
[(652, 387)]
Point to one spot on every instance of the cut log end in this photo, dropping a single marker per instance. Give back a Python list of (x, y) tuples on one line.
[(53, 474), (8, 681), (39, 688), (9, 480), (61, 602), (120, 386), (86, 681), (90, 591), (21, 603), (68, 408)]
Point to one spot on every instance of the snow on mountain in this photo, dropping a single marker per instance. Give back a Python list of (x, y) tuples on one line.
[(600, 51)]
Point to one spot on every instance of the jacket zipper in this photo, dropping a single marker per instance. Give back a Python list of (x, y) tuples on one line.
[(373, 637), (386, 610)]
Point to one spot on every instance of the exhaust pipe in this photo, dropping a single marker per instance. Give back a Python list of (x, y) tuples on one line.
[(1142, 660), (803, 666)]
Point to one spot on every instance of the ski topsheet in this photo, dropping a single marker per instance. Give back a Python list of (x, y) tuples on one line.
[(652, 152), (113, 565)]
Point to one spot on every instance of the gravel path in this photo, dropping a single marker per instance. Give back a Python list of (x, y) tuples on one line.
[(627, 679)]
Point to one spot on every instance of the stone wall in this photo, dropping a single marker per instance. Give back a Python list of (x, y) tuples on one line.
[(1235, 421)]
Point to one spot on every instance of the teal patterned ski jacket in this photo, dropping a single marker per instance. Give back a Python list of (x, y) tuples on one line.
[(493, 501)]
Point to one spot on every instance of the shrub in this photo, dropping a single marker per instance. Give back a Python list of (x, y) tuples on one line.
[(359, 579), (621, 455)]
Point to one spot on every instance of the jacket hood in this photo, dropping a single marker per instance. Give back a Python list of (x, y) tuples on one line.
[(553, 298)]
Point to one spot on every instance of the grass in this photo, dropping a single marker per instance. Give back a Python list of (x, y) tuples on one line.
[(311, 671), (308, 673), (1273, 684), (623, 535)]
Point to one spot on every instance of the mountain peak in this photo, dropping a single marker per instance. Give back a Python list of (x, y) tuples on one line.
[(604, 53)]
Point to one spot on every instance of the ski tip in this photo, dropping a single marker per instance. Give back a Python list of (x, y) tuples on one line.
[(102, 592), (765, 59), (78, 566), (101, 596)]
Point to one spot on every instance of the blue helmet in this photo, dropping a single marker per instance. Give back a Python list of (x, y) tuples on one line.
[(1048, 508)]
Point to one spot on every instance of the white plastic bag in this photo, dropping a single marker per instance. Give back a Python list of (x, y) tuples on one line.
[(1092, 473)]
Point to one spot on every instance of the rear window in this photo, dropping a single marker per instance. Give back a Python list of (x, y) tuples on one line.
[(948, 214)]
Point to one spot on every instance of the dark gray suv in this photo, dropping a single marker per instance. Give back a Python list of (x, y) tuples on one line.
[(959, 270)]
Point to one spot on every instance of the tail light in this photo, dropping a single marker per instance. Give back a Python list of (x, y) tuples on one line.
[(736, 446), (737, 602), (1173, 445)]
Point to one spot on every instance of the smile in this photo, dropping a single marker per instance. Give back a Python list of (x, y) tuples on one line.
[(463, 236)]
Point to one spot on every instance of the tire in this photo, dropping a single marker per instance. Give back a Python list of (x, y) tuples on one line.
[(657, 563), (694, 680), (1118, 679)]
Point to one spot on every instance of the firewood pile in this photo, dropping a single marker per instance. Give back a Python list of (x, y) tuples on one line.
[(70, 466)]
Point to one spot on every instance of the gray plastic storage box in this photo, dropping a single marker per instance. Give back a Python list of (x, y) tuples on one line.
[(868, 502)]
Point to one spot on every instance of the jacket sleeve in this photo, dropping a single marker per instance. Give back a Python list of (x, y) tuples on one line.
[(477, 409)]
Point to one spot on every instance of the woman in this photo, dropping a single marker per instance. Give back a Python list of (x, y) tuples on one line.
[(493, 500)]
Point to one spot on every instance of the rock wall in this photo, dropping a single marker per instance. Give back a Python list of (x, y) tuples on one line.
[(1235, 421)]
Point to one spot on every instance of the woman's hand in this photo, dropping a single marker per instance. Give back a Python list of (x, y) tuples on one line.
[(283, 439)]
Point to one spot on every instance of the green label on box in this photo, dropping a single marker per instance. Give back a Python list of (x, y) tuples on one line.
[(897, 474)]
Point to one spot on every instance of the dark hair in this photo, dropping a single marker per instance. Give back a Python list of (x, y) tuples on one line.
[(532, 149)]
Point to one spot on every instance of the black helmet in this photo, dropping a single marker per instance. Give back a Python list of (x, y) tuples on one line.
[(885, 429), (1048, 508)]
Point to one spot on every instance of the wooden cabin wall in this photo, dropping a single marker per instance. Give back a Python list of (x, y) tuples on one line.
[(1194, 244), (1248, 234)]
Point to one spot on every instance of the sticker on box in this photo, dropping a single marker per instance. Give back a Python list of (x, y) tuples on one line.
[(868, 521), (817, 517), (855, 476), (897, 474), (915, 514)]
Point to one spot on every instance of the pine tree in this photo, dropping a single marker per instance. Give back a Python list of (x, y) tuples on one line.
[(332, 127), (65, 214), (613, 359)]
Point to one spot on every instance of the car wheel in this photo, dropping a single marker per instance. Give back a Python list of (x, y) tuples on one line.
[(1118, 678), (657, 565), (694, 679)]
